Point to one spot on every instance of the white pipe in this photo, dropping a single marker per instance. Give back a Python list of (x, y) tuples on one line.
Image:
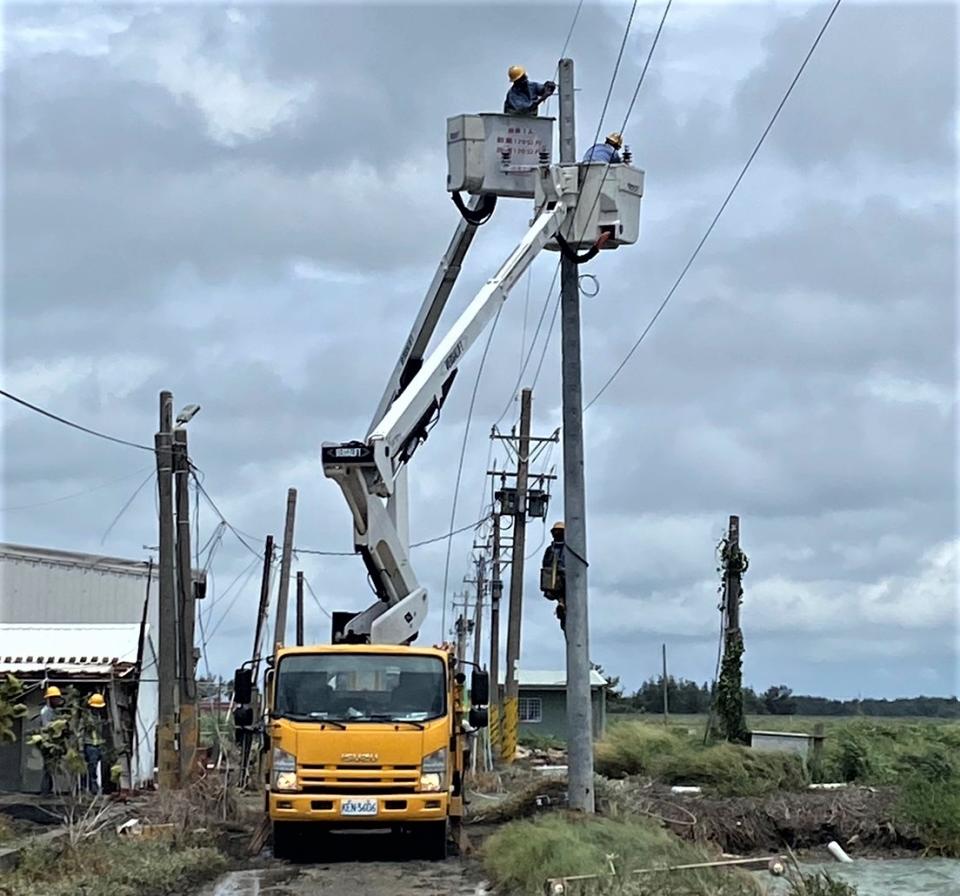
[(837, 852)]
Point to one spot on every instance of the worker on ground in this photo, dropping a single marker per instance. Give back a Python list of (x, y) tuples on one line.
[(524, 95), (553, 580), (93, 739), (608, 151), (52, 700)]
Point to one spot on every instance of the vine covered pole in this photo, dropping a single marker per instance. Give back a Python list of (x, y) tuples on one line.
[(733, 564)]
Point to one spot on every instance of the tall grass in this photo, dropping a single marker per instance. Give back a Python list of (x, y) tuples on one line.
[(522, 855), (674, 758)]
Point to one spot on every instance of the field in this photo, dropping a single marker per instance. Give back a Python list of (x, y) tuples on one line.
[(697, 722)]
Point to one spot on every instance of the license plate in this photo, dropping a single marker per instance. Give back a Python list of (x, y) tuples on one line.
[(358, 807)]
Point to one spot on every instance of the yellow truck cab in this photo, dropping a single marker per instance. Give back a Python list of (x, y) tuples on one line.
[(372, 736)]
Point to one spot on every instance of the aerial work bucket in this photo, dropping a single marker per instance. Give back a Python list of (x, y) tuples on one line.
[(609, 202), (497, 154)]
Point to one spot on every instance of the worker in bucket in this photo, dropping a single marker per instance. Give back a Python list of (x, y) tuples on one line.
[(524, 95), (93, 739), (608, 151), (553, 582)]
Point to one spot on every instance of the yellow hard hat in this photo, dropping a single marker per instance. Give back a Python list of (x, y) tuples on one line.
[(557, 526), (615, 140), (96, 701), (52, 691), (516, 72)]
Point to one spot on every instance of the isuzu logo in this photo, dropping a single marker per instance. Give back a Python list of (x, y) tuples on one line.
[(359, 757)]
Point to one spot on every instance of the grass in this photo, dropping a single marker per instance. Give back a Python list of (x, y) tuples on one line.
[(6, 830), (673, 757), (112, 867), (522, 855)]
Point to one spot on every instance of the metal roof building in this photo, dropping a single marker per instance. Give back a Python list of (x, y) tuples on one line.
[(45, 585), (85, 620)]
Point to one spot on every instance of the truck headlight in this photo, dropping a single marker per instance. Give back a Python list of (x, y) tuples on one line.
[(284, 770), (433, 775)]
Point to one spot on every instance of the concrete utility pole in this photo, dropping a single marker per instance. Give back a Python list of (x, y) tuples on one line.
[(478, 611), (168, 766), (280, 634), (511, 719), (579, 709), (189, 724), (299, 609), (461, 636), (496, 590)]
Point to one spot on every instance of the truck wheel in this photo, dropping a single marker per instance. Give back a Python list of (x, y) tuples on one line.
[(284, 839), (433, 837)]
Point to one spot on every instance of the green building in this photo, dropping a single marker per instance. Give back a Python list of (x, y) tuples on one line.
[(543, 703)]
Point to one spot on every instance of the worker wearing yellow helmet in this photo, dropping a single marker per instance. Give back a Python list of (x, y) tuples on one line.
[(524, 95), (608, 151), (93, 739), (553, 582), (52, 700)]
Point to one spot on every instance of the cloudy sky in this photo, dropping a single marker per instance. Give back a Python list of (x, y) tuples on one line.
[(244, 204)]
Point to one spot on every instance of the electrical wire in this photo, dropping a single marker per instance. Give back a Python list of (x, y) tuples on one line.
[(316, 599), (151, 475), (223, 519), (248, 571), (86, 491), (70, 423), (720, 210), (463, 453)]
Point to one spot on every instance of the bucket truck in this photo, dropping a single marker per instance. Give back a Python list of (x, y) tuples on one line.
[(370, 730)]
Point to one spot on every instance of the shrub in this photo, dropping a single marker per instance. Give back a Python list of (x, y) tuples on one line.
[(634, 748), (724, 769), (112, 867), (522, 855)]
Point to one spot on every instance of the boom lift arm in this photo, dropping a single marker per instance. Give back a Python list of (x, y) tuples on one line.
[(371, 474)]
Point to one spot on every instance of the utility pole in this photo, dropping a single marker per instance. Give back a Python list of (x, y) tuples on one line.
[(478, 612), (186, 616), (733, 564), (496, 590), (461, 637), (280, 633), (262, 610), (579, 709), (511, 719), (299, 609), (666, 702), (168, 767)]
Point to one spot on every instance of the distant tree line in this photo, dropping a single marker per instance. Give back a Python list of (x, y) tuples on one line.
[(685, 696)]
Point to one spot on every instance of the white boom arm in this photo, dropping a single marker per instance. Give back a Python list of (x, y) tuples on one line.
[(371, 472)]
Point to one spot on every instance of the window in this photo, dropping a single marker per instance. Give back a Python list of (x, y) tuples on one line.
[(359, 687), (530, 709)]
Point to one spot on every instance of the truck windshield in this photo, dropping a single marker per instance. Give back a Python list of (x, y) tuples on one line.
[(357, 687)]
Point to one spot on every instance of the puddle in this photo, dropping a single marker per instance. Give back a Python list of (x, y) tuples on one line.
[(254, 882)]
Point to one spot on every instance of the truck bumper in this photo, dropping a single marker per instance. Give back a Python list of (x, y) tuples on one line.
[(391, 808)]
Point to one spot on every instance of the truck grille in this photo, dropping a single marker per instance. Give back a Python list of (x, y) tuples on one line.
[(358, 779)]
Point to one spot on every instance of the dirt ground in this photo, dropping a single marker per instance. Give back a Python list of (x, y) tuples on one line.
[(358, 865)]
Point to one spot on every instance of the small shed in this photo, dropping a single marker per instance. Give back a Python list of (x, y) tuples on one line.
[(809, 746), (118, 660), (543, 703)]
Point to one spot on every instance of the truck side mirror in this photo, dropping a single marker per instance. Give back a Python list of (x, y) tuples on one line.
[(479, 688), (243, 686), (478, 717)]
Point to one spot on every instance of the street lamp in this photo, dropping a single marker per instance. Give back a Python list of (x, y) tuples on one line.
[(187, 414)]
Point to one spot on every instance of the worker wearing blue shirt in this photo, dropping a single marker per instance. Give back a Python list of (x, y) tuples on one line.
[(525, 95), (608, 151)]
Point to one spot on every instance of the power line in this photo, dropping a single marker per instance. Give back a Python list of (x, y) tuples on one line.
[(463, 453), (86, 491), (126, 505), (316, 599), (223, 519), (720, 211), (70, 423)]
